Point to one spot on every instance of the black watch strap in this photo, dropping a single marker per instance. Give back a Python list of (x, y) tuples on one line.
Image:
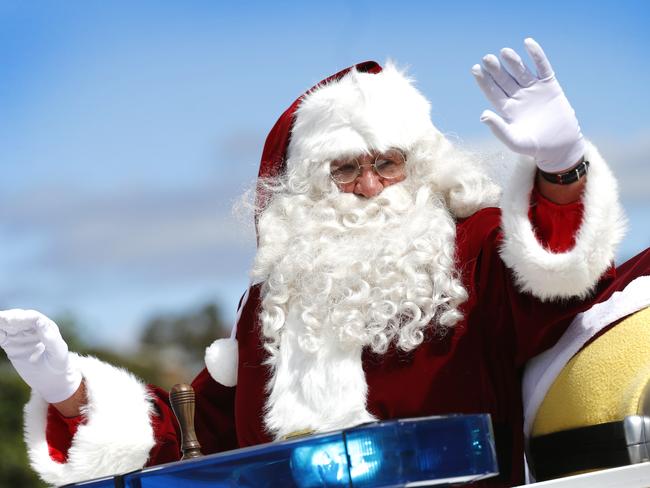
[(567, 177)]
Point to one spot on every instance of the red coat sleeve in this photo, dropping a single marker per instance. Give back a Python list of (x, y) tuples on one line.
[(214, 423), (555, 225), (59, 433), (522, 322)]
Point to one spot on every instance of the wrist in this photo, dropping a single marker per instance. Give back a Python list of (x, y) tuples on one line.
[(562, 160), (560, 194), (567, 177), (71, 406)]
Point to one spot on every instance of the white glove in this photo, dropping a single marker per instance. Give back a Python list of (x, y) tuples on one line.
[(36, 349), (533, 115)]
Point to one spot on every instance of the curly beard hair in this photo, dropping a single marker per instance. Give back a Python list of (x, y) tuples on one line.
[(363, 272)]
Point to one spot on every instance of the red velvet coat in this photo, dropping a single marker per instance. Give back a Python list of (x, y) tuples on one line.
[(477, 367)]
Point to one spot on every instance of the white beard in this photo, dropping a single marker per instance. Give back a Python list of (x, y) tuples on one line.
[(342, 273)]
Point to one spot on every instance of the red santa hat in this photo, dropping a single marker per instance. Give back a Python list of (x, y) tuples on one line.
[(359, 108), (274, 153)]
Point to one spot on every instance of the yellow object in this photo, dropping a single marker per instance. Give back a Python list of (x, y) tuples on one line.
[(601, 383)]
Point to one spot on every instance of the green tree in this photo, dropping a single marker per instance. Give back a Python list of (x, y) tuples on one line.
[(14, 393), (176, 342)]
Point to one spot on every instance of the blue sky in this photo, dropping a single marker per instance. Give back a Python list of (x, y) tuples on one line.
[(128, 129)]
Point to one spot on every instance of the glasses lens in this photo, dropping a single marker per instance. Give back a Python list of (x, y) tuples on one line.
[(344, 171), (390, 165)]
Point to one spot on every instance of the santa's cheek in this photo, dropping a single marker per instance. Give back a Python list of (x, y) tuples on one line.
[(388, 183), (347, 188)]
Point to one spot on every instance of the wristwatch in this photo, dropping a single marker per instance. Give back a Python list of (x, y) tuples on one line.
[(571, 176)]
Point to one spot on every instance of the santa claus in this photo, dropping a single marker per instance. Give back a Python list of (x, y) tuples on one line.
[(387, 282)]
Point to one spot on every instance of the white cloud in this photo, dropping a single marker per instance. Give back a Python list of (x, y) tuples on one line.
[(630, 160), (139, 231)]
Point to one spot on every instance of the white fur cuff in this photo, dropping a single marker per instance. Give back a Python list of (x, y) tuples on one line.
[(221, 359), (574, 273), (116, 437)]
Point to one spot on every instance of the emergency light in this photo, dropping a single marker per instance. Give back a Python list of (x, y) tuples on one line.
[(426, 451)]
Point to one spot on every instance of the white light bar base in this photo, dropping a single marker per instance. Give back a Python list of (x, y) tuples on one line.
[(632, 476)]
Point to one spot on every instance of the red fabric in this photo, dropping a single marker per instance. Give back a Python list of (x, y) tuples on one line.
[(59, 433), (476, 368), (166, 430), (214, 420), (277, 142), (553, 216)]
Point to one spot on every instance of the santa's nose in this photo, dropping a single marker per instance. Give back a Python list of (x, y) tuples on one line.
[(368, 183)]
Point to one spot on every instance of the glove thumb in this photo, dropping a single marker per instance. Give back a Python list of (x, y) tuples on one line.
[(516, 141), (499, 127)]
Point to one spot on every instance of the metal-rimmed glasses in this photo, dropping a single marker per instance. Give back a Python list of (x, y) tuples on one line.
[(389, 165)]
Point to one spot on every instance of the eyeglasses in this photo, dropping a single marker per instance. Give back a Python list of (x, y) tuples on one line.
[(388, 165)]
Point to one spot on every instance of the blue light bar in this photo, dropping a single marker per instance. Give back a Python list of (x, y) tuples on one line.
[(427, 451)]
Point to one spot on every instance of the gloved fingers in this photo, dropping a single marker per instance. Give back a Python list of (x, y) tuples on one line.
[(24, 337), (24, 351), (39, 349), (517, 68), (542, 64), (14, 342), (501, 77), (17, 320), (8, 322), (493, 93)]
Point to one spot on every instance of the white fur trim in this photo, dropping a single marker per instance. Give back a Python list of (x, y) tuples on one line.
[(574, 273), (358, 112), (116, 437), (542, 370), (221, 359)]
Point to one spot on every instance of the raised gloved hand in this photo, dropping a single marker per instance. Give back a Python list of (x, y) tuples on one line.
[(36, 349), (533, 116)]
